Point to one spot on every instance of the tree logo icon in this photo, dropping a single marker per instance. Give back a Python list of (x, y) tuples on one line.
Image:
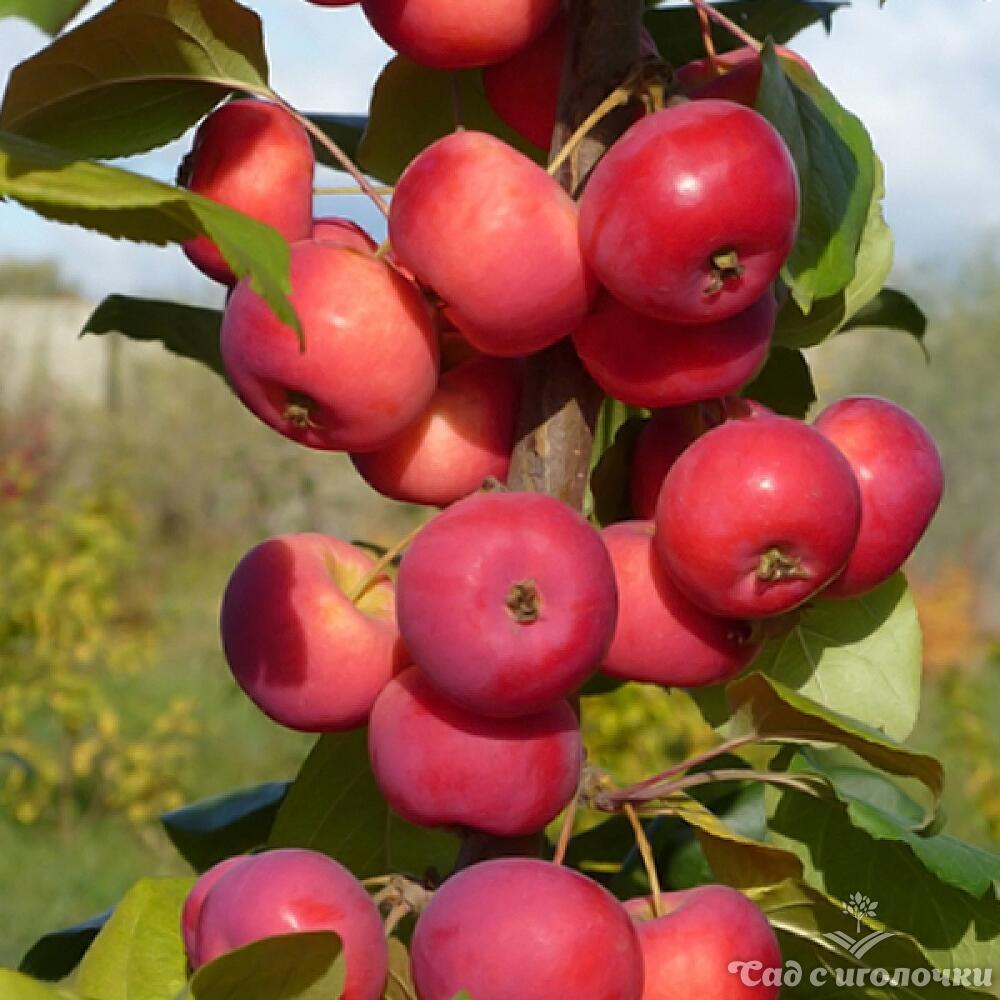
[(860, 907)]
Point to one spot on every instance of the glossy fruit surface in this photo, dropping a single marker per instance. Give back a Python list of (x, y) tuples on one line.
[(464, 437), (191, 911), (734, 76), (303, 652), (458, 34), (255, 157), (290, 891), (710, 215), (647, 362), (899, 471), (343, 232), (439, 765), (496, 238), (522, 929), (661, 637), (370, 363), (507, 602), (757, 516), (702, 931)]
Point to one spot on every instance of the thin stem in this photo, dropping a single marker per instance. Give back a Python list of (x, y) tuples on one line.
[(378, 881), (707, 40), (800, 784), (402, 984), (642, 842), (382, 565), (615, 99), (566, 831), (396, 914), (731, 26), (351, 189), (456, 102), (383, 248)]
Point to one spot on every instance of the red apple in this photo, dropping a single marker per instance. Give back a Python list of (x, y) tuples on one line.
[(733, 76), (496, 238), (661, 637), (757, 516), (303, 652), (255, 157), (507, 602), (700, 943), (648, 362), (899, 470), (710, 216), (191, 912), (295, 891), (464, 437), (370, 362), (439, 765), (522, 929), (459, 34), (343, 232)]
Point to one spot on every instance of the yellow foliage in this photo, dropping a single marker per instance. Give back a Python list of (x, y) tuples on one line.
[(947, 606), (63, 643)]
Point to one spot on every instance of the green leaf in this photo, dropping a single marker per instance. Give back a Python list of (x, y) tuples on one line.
[(784, 383), (804, 918), (412, 107), (954, 929), (345, 130), (677, 31), (15, 986), (306, 966), (772, 710), (128, 206), (618, 426), (55, 955), (835, 161), (225, 825), (875, 804), (187, 331), (137, 75), (49, 15), (400, 984), (862, 658), (334, 806), (139, 955), (893, 309)]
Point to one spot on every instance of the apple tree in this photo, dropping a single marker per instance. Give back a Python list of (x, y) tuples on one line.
[(613, 233)]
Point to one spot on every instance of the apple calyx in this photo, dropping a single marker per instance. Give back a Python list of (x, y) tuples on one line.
[(774, 566), (298, 412), (726, 266), (524, 602)]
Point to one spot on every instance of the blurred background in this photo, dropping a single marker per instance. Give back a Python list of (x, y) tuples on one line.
[(131, 482)]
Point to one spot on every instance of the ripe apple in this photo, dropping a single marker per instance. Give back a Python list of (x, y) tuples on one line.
[(701, 932), (507, 602), (438, 765), (255, 157), (343, 232), (496, 238), (523, 929), (733, 76), (291, 891), (303, 652), (648, 362), (191, 912), (458, 34), (666, 434), (898, 468), (661, 637), (710, 216), (370, 362), (465, 436), (757, 516)]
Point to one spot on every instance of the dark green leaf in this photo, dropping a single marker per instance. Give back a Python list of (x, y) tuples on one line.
[(128, 206), (862, 658), (54, 956), (187, 331), (306, 966), (221, 827), (677, 31), (412, 107), (893, 309), (618, 426), (334, 806), (835, 161), (345, 130), (139, 955), (784, 384), (137, 75), (49, 15)]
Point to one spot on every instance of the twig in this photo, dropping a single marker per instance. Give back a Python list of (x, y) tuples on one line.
[(642, 842), (707, 40), (351, 189), (617, 97), (382, 565), (566, 831), (731, 26)]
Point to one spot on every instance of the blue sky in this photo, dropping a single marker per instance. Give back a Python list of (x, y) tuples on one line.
[(922, 74)]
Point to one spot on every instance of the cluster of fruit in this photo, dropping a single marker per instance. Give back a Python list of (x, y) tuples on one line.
[(510, 929)]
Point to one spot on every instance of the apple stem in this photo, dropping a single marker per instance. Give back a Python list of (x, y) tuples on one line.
[(646, 852), (707, 40), (617, 97), (348, 189), (566, 831), (383, 248), (734, 29), (379, 568), (801, 783)]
